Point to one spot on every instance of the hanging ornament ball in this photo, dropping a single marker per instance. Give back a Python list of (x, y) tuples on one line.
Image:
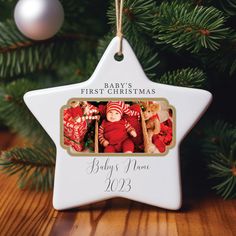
[(39, 19)]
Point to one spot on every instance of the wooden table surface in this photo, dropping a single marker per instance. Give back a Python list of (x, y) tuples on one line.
[(31, 213)]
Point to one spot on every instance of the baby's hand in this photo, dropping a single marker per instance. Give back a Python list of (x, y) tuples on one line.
[(133, 133), (105, 143)]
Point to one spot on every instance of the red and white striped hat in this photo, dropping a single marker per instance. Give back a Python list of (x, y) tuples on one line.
[(116, 105), (121, 107)]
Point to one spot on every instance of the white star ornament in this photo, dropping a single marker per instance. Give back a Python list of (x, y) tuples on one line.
[(151, 177)]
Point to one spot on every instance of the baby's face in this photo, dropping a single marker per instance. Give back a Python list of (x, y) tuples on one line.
[(113, 116)]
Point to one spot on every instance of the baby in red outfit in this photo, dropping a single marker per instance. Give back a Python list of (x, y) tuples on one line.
[(114, 131)]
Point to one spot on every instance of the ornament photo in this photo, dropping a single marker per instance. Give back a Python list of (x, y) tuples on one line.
[(118, 133), (108, 127)]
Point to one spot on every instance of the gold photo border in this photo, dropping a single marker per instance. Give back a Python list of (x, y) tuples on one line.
[(118, 154)]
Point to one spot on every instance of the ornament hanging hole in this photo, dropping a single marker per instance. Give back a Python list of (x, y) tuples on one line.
[(119, 57)]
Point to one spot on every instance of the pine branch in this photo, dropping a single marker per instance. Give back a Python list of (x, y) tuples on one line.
[(202, 2), (78, 71), (229, 6), (145, 54), (70, 6), (10, 1), (19, 55), (192, 28), (137, 16), (189, 77), (220, 149), (34, 166), (16, 115), (224, 60), (85, 18)]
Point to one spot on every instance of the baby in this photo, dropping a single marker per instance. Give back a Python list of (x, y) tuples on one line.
[(114, 131)]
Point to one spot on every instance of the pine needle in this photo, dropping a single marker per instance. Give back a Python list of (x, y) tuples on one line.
[(34, 166), (220, 149)]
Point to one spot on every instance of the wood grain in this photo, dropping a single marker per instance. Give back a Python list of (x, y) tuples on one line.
[(31, 213), (146, 140), (96, 146)]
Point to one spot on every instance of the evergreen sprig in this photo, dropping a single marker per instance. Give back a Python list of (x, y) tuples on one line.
[(16, 115), (137, 16), (220, 150), (69, 6), (78, 71), (229, 6), (224, 60), (34, 166), (146, 56), (11, 1), (187, 27), (84, 18), (19, 55), (189, 77)]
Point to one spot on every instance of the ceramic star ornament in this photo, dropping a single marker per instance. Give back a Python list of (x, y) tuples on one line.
[(118, 133)]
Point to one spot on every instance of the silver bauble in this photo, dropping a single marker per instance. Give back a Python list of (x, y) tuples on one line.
[(39, 19)]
